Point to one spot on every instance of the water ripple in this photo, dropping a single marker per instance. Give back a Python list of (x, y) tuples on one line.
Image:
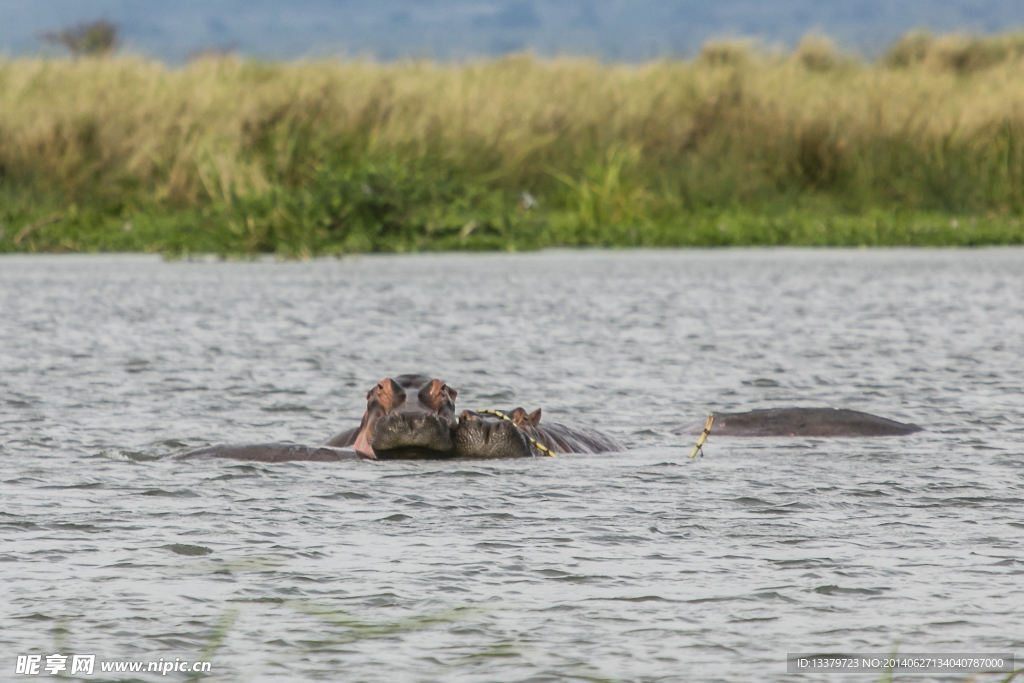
[(643, 566)]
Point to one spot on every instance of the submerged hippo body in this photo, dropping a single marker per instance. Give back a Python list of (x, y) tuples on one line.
[(828, 422), (563, 438), (274, 452)]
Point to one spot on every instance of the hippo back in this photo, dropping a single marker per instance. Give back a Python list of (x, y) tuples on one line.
[(563, 438), (815, 422)]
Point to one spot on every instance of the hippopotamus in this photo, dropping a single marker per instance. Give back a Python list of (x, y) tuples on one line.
[(834, 422), (519, 434), (413, 416), (406, 417)]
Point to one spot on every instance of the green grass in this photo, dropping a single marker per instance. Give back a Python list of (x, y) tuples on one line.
[(737, 147), (300, 226)]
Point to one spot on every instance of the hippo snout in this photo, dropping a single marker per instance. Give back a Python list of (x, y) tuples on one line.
[(486, 438), (412, 435)]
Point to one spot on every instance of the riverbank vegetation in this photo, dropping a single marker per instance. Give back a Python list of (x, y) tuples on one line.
[(924, 146)]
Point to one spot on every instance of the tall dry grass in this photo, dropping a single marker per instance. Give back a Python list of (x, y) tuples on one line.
[(938, 124)]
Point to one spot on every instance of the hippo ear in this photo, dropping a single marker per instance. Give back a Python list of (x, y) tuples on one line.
[(534, 417), (451, 392), (517, 416), (377, 387), (387, 392)]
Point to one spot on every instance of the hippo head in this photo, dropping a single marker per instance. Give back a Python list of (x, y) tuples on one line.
[(408, 416), (478, 436)]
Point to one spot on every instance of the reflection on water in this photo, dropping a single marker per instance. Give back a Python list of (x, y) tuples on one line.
[(639, 567)]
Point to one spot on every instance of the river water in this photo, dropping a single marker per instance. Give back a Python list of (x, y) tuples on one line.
[(640, 566)]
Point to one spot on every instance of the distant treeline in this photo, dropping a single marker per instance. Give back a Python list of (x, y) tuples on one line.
[(739, 146)]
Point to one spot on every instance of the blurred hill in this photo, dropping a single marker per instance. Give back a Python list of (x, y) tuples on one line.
[(454, 29)]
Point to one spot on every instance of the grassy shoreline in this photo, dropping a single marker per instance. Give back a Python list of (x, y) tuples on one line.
[(736, 147), (180, 233)]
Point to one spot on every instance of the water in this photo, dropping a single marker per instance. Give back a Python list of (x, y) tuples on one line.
[(643, 566)]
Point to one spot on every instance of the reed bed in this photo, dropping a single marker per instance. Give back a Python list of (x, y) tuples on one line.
[(738, 146)]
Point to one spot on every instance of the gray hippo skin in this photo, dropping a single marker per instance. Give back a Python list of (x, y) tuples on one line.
[(828, 422)]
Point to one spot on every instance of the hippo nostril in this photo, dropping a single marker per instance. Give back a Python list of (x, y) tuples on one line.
[(412, 420)]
